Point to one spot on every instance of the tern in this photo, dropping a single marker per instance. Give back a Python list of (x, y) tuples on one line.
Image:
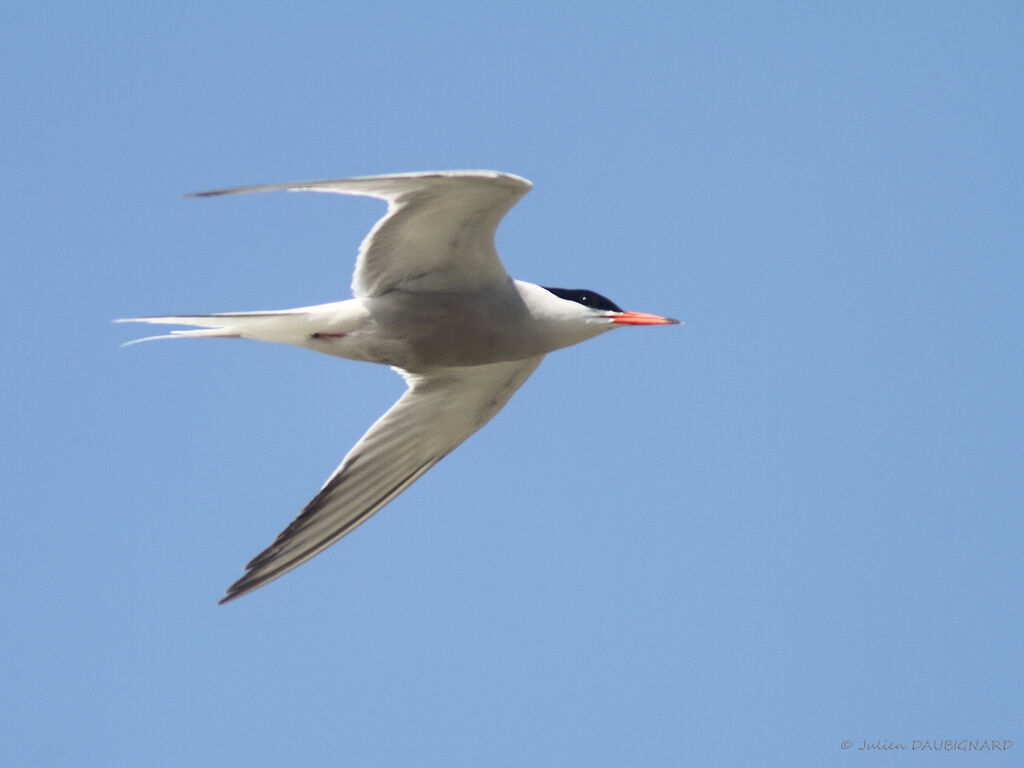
[(434, 302)]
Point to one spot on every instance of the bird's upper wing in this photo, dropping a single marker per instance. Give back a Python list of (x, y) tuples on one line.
[(438, 411), (437, 234)]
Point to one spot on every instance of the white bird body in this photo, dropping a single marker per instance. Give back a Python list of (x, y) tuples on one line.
[(414, 331), (433, 300)]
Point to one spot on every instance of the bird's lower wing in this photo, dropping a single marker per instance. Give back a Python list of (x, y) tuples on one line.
[(437, 413)]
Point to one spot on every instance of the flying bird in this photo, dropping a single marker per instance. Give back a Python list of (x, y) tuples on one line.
[(434, 302)]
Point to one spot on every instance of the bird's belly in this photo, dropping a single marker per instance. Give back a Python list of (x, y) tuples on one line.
[(421, 333), (460, 347)]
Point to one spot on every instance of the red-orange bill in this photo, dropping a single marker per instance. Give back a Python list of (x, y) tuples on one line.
[(641, 318)]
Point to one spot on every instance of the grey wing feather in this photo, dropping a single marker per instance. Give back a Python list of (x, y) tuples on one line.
[(437, 234), (437, 413)]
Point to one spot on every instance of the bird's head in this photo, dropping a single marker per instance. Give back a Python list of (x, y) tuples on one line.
[(603, 308)]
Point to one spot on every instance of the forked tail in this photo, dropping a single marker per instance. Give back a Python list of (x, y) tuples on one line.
[(262, 326)]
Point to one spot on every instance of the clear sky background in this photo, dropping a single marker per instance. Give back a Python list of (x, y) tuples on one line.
[(792, 521)]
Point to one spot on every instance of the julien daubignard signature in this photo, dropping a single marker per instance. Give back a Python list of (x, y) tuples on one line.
[(931, 745)]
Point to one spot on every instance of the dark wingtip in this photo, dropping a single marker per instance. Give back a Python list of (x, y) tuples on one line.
[(243, 586), (232, 593)]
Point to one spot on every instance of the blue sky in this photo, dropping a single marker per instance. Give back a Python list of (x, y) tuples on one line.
[(792, 521)]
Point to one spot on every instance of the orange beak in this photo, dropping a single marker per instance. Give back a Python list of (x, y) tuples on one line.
[(640, 318)]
